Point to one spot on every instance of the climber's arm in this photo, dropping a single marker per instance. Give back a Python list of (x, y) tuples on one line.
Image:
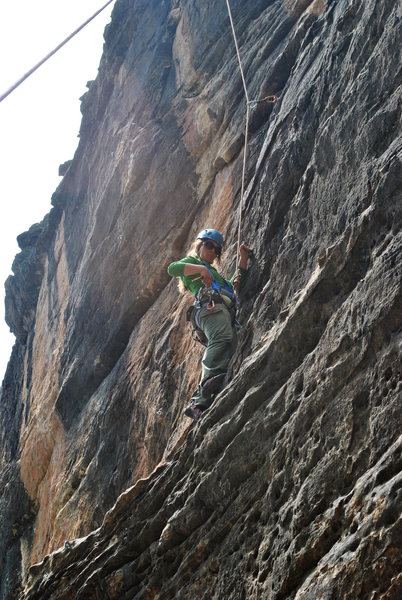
[(238, 277), (187, 267)]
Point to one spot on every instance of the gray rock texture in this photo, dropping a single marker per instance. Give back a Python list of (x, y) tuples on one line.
[(291, 485)]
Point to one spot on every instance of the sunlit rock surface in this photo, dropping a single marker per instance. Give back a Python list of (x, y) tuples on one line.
[(291, 486)]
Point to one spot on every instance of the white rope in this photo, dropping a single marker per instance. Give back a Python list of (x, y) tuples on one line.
[(243, 177), (46, 58), (237, 50)]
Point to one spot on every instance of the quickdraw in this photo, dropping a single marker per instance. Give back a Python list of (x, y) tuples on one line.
[(267, 100)]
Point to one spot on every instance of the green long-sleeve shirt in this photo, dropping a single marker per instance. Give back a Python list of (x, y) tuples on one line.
[(175, 269)]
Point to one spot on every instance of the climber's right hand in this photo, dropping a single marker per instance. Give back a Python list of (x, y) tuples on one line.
[(206, 277)]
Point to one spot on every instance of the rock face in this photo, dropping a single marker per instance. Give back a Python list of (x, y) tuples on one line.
[(291, 485)]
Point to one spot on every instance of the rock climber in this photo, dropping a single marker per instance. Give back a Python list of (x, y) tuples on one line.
[(213, 314)]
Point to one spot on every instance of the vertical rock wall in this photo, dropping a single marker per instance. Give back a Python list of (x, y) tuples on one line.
[(290, 486)]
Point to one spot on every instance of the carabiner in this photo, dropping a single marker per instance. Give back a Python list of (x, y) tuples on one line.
[(267, 100), (211, 304)]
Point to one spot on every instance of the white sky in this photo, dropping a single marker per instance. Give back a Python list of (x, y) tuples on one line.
[(39, 121)]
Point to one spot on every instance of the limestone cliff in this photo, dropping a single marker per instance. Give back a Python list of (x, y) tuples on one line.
[(290, 486)]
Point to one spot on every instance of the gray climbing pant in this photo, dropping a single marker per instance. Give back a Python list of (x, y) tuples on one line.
[(221, 335)]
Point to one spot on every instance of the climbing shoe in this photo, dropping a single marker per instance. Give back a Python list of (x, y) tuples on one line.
[(194, 412), (212, 385)]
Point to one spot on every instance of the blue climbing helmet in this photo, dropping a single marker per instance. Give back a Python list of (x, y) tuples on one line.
[(211, 234)]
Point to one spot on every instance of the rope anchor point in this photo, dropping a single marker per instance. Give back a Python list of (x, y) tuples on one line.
[(267, 100)]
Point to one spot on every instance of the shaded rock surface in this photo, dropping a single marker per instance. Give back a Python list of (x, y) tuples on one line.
[(291, 485)]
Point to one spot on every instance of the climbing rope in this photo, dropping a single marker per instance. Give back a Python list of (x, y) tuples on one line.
[(249, 104), (63, 43), (243, 176)]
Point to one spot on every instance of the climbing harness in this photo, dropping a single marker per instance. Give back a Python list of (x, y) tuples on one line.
[(46, 58), (217, 293), (217, 287), (249, 104), (210, 297)]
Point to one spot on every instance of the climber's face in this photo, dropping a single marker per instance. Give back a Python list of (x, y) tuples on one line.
[(209, 251)]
